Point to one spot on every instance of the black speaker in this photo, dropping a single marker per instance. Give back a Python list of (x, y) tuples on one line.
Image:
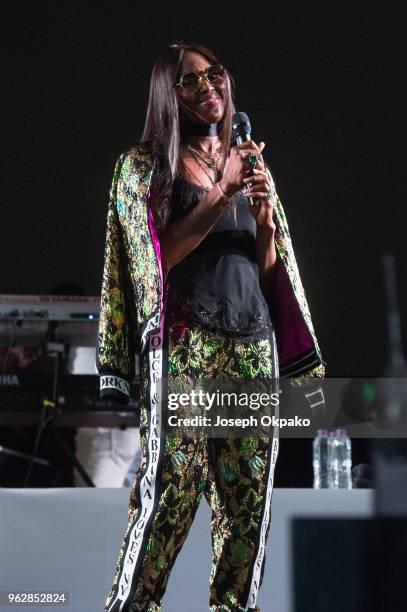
[(349, 565)]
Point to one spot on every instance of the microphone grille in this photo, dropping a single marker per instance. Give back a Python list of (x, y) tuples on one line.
[(240, 122)]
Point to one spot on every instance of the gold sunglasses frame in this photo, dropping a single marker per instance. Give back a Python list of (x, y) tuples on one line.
[(203, 74)]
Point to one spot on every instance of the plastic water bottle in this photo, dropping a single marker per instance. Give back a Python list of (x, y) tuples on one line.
[(344, 459), (320, 458), (340, 451), (332, 461)]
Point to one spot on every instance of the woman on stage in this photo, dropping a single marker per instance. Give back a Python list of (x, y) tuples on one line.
[(200, 280)]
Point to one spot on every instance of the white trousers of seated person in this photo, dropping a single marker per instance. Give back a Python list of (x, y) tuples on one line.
[(106, 454)]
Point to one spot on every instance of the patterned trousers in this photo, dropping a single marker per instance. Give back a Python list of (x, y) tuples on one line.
[(234, 474)]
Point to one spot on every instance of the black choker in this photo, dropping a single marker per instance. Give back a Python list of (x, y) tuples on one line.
[(200, 129)]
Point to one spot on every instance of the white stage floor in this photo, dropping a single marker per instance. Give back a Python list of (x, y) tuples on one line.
[(69, 539)]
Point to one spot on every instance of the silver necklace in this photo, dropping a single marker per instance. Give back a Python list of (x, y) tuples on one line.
[(196, 158), (207, 158)]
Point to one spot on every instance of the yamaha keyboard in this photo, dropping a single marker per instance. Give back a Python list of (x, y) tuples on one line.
[(23, 396), (49, 308), (43, 337)]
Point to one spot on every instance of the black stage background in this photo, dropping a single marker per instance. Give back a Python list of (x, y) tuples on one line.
[(321, 84)]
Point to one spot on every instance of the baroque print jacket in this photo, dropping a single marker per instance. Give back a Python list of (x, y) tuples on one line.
[(132, 287)]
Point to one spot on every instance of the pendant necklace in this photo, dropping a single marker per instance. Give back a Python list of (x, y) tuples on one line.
[(196, 158), (207, 158)]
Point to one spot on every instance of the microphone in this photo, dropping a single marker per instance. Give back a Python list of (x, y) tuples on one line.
[(241, 128), (241, 131)]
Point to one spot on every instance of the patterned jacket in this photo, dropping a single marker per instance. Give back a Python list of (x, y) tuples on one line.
[(132, 286)]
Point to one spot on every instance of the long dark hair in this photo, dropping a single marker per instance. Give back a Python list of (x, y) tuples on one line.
[(164, 123)]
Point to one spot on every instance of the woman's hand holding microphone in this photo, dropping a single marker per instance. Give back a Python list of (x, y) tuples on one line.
[(239, 173)]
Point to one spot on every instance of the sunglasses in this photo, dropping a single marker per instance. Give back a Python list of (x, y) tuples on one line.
[(192, 81)]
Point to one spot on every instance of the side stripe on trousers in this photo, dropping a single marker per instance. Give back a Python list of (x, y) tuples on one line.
[(261, 542), (148, 490)]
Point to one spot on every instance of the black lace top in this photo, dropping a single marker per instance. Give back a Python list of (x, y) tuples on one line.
[(216, 287)]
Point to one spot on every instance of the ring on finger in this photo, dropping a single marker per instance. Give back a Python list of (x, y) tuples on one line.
[(252, 159)]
